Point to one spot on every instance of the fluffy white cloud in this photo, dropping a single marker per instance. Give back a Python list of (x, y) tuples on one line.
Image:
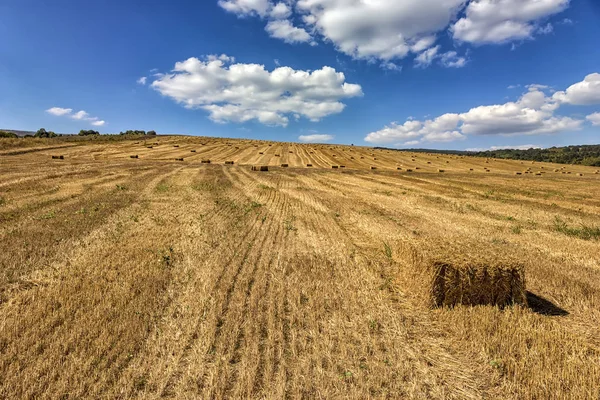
[(585, 92), (532, 114), (244, 92), (518, 147), (316, 138), (284, 30), (142, 80), (79, 115), (58, 111), (499, 21), (246, 7), (386, 30), (426, 58), (594, 118)]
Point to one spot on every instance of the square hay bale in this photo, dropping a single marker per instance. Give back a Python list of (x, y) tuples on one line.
[(176, 145), (205, 161), (228, 162), (518, 173), (291, 152), (134, 156), (335, 166), (428, 162), (192, 151), (309, 165), (284, 165), (149, 147), (409, 170), (260, 168), (342, 166), (372, 167), (277, 155), (399, 168), (260, 152), (179, 159), (470, 169), (58, 157), (447, 272), (441, 170)]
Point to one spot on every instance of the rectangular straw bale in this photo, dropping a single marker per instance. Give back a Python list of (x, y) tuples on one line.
[(228, 162), (205, 161), (450, 272), (260, 168)]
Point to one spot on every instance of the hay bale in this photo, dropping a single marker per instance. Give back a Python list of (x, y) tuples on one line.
[(179, 159), (309, 165), (192, 151), (176, 145), (260, 168), (409, 170), (291, 152), (518, 173), (284, 165), (342, 166), (441, 170), (205, 161), (372, 167), (149, 147), (399, 168), (335, 166), (228, 162), (134, 156), (449, 272), (260, 152), (277, 155), (58, 157), (579, 174), (470, 169), (428, 162)]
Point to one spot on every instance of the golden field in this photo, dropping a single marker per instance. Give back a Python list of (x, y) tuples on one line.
[(153, 277)]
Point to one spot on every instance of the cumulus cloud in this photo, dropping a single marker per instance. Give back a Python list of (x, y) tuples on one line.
[(500, 21), (284, 30), (586, 92), (387, 30), (594, 118), (532, 114), (58, 111), (142, 80), (518, 147), (426, 58), (316, 138), (79, 115), (244, 92)]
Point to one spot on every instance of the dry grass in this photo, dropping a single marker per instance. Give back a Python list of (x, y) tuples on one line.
[(162, 279)]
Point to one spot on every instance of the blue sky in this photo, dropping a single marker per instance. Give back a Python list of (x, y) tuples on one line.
[(448, 74)]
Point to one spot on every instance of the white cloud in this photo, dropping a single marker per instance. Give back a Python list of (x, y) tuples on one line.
[(280, 11), (244, 92), (317, 138), (387, 30), (426, 58), (59, 111), (244, 8), (142, 80), (513, 86), (532, 114), (518, 147), (452, 60), (586, 92), (594, 118), (284, 30), (390, 66), (79, 115), (499, 21)]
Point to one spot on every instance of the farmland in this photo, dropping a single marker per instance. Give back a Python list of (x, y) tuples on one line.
[(163, 276)]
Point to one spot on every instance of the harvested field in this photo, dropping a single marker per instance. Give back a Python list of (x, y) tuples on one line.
[(154, 278)]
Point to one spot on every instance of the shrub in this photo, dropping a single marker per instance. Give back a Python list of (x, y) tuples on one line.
[(4, 134)]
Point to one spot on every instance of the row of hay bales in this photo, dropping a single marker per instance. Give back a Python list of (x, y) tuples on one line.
[(446, 273)]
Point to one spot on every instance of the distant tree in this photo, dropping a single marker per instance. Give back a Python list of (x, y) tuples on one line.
[(89, 132), (42, 133), (4, 134), (152, 133)]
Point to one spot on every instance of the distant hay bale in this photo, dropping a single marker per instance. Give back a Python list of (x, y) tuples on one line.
[(399, 168), (342, 166), (372, 167), (277, 155), (176, 145), (260, 168), (335, 166), (518, 173), (538, 174), (447, 273), (149, 147), (374, 159), (470, 169), (441, 170), (352, 158), (447, 162), (260, 152), (228, 162), (134, 156), (291, 152), (579, 174), (284, 165), (362, 158), (309, 165), (58, 157), (556, 170), (428, 162), (205, 161), (192, 151), (179, 159), (409, 170)]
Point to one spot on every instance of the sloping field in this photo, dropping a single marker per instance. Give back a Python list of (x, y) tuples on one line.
[(157, 278)]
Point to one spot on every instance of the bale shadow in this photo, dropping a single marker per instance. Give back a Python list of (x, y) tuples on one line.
[(540, 305)]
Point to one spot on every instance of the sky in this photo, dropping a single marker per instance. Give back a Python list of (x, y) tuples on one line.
[(440, 74)]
